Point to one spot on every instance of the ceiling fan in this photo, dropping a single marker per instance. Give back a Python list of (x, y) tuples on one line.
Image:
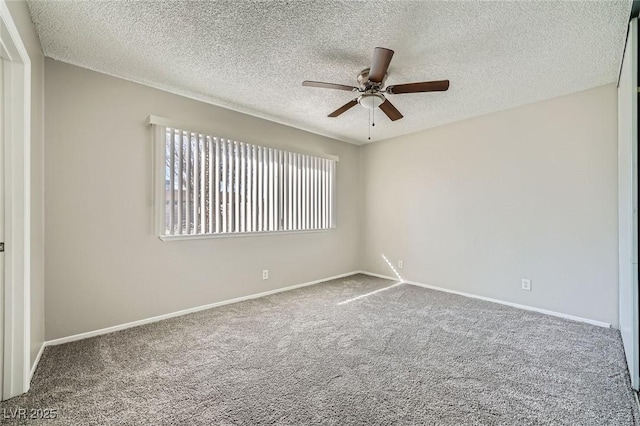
[(370, 85)]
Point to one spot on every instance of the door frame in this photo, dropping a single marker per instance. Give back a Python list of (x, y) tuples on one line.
[(628, 291), (15, 331)]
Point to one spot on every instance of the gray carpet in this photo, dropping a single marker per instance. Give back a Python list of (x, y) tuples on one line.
[(405, 355)]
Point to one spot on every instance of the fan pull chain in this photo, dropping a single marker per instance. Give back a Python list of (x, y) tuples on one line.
[(368, 121)]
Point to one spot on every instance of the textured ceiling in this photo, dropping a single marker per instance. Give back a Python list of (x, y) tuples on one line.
[(252, 56)]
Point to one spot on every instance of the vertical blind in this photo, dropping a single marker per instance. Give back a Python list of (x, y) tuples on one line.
[(220, 186)]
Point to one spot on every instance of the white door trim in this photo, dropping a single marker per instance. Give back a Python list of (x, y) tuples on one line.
[(16, 107)]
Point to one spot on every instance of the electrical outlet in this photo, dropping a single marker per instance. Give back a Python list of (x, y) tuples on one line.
[(265, 274), (400, 264), (526, 284)]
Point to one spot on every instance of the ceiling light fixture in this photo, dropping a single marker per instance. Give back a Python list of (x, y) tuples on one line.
[(371, 100)]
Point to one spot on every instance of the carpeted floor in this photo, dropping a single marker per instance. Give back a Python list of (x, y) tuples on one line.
[(405, 355)]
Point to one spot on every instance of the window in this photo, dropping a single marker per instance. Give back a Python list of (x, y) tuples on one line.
[(217, 186)]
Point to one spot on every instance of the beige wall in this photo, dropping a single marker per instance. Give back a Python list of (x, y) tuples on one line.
[(20, 15), (473, 206), (104, 266), (477, 205)]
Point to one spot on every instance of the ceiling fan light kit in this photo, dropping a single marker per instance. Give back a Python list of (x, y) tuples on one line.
[(371, 100), (371, 85)]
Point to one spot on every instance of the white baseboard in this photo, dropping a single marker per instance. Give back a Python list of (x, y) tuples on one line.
[(515, 305), (37, 361), (502, 302), (119, 327)]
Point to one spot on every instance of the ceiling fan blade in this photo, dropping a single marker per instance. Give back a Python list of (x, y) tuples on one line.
[(328, 85), (344, 108), (391, 111), (380, 64), (425, 86)]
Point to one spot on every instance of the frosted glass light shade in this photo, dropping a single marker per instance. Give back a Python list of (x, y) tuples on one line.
[(371, 100)]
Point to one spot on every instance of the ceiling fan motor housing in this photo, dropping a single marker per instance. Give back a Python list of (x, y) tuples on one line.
[(365, 84)]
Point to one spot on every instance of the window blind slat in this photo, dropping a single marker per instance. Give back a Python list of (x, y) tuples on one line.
[(193, 142), (254, 195), (265, 189), (314, 208), (230, 183), (321, 198), (249, 203), (210, 167), (270, 190), (312, 194), (241, 189), (223, 188), (287, 185), (172, 179), (277, 190), (301, 194), (306, 192), (267, 193), (329, 194), (187, 182), (309, 194), (236, 187), (203, 184), (260, 187), (294, 192), (288, 181), (324, 193), (252, 189), (308, 186), (178, 137), (247, 191), (303, 210), (320, 193), (276, 193), (332, 172), (214, 185), (316, 211), (299, 191), (271, 198), (285, 190)]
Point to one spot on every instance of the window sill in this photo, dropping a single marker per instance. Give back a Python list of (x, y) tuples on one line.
[(237, 235)]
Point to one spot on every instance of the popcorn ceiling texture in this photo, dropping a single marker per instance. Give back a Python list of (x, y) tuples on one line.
[(253, 56)]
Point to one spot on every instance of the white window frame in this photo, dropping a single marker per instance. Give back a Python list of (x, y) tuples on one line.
[(286, 159)]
